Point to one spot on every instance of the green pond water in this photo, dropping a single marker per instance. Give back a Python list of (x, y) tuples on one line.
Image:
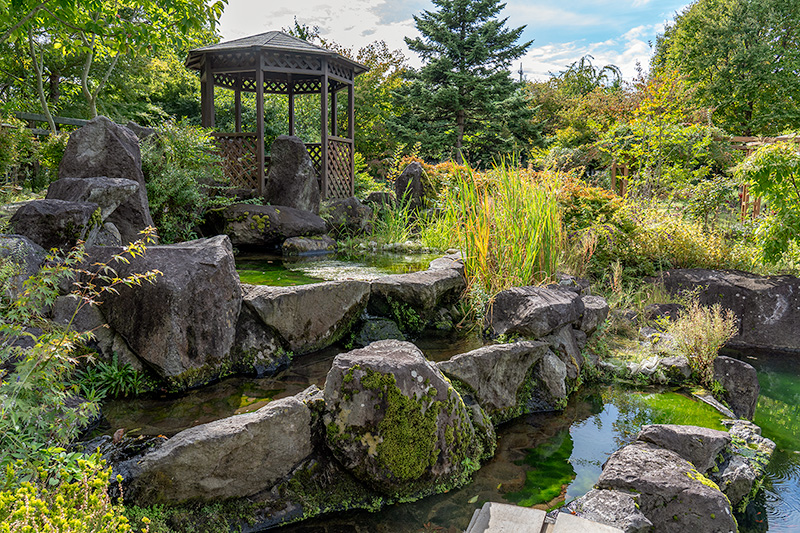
[(777, 508), (276, 270), (542, 460)]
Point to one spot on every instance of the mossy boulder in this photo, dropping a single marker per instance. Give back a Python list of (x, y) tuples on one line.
[(250, 225), (26, 256), (396, 423), (346, 216)]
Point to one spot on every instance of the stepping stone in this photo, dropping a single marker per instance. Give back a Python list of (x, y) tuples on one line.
[(504, 518), (567, 523)]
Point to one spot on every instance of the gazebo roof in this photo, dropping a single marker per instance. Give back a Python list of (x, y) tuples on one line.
[(271, 41)]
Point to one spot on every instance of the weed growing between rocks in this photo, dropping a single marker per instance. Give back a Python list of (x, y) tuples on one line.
[(699, 333)]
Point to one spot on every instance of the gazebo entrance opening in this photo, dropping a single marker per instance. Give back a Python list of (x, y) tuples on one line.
[(277, 63)]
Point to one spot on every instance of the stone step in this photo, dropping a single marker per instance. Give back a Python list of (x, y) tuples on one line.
[(503, 518), (567, 523)]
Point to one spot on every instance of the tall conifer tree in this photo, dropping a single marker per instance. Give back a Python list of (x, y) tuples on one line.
[(463, 98)]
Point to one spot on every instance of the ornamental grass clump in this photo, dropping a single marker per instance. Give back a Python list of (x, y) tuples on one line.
[(699, 333), (507, 223)]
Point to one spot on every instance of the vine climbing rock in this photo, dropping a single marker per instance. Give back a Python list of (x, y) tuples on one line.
[(103, 148), (398, 425)]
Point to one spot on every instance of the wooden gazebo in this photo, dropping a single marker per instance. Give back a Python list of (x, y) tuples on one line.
[(277, 63)]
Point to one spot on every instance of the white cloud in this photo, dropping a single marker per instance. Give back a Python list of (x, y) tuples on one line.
[(640, 3), (353, 24), (625, 52)]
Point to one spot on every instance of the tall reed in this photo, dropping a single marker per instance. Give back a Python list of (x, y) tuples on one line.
[(507, 223)]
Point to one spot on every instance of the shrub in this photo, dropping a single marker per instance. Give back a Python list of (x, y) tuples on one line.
[(773, 171), (184, 179), (79, 506), (699, 334), (39, 407)]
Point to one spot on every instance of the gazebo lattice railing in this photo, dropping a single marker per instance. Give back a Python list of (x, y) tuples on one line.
[(276, 63)]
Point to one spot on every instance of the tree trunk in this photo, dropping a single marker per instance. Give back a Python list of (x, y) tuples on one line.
[(38, 67)]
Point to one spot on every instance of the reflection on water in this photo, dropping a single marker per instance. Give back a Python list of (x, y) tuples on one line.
[(542, 460), (279, 271), (778, 415)]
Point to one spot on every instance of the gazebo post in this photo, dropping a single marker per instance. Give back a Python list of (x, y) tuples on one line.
[(207, 95), (277, 63), (238, 103), (260, 122), (290, 91), (324, 129), (334, 118), (351, 133)]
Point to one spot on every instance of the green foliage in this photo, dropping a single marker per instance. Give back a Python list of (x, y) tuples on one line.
[(52, 505), (699, 334), (405, 316), (39, 407), (773, 172), (463, 99), (507, 223), (184, 179), (111, 378), (742, 56)]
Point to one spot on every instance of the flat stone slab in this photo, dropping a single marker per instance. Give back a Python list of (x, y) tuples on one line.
[(503, 518), (567, 523)]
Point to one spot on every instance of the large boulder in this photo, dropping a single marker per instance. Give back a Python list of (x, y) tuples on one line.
[(27, 258), (183, 324), (613, 508), (767, 307), (408, 188), (740, 381), (107, 193), (595, 312), (292, 180), (414, 297), (234, 457), (673, 495), (346, 216), (57, 223), (103, 148), (308, 317), (396, 423), (698, 445), (509, 380), (250, 225), (534, 311), (72, 311)]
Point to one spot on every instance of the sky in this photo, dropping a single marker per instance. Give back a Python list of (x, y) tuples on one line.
[(614, 32)]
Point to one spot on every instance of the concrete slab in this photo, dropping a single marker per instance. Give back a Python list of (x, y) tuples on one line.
[(567, 523), (504, 518)]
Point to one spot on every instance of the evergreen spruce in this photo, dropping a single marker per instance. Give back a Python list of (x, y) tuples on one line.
[(463, 99)]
